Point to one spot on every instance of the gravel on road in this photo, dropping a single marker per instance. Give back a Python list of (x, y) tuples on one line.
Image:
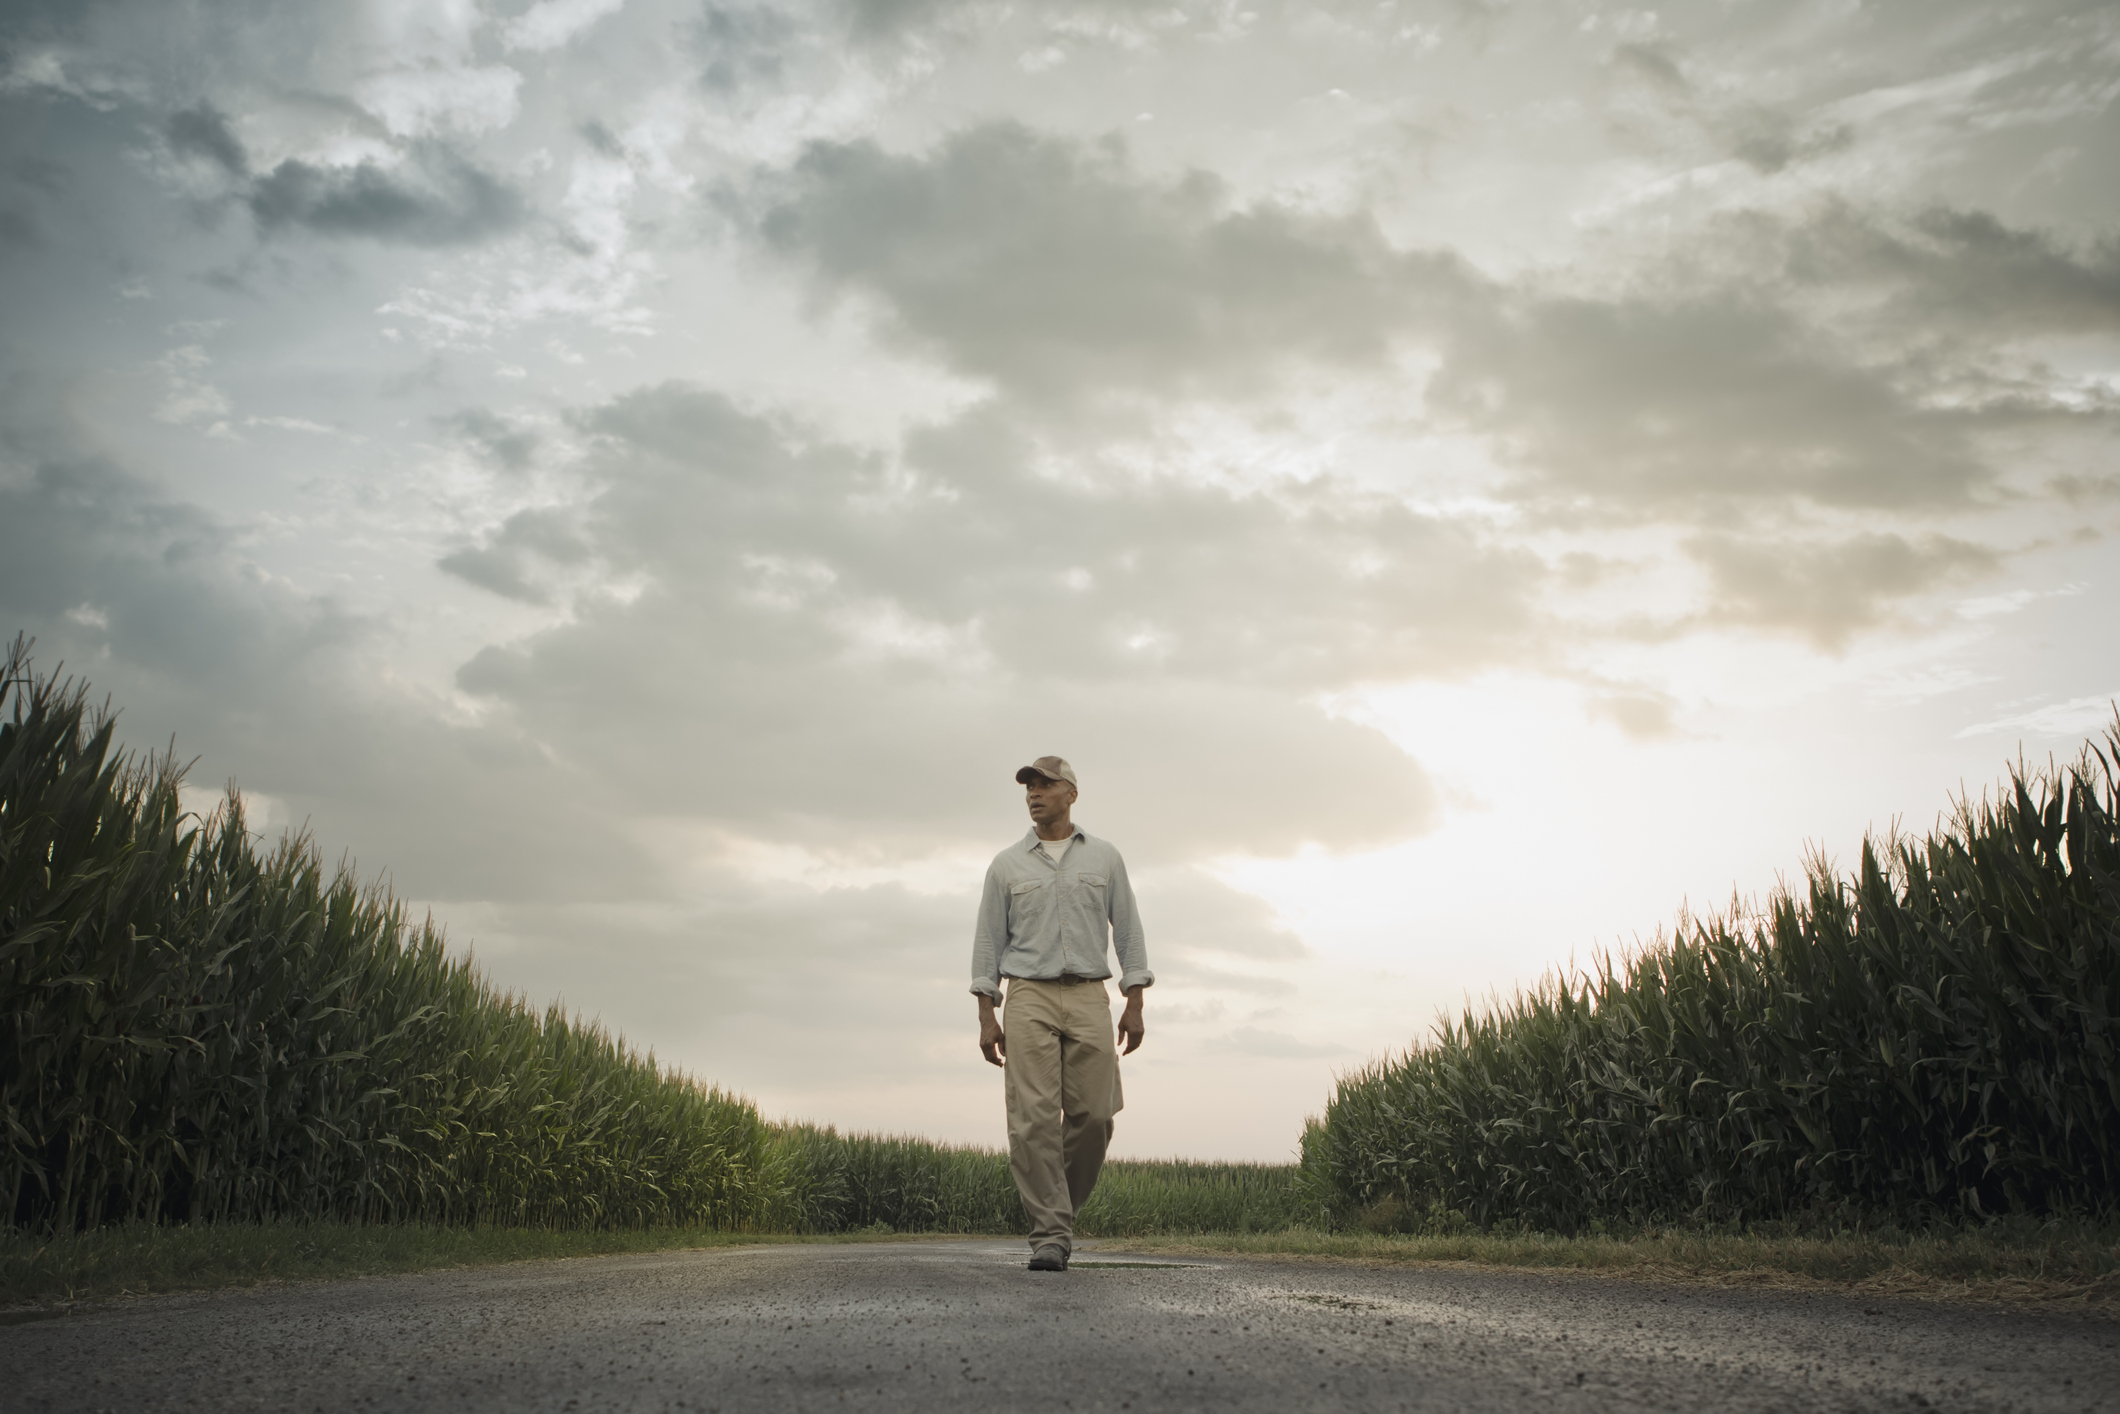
[(962, 1325)]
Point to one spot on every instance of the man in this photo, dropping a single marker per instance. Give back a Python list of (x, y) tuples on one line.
[(1053, 902)]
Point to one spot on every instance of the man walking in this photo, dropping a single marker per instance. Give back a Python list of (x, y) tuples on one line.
[(1053, 902)]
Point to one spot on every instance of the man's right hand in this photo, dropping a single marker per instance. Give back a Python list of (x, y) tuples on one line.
[(992, 1043)]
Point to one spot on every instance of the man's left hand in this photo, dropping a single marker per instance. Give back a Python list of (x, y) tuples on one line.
[(1131, 1027)]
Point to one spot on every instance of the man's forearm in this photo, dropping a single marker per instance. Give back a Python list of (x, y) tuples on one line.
[(993, 1044), (1131, 1027)]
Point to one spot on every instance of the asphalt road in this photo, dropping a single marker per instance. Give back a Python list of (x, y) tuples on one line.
[(962, 1325)]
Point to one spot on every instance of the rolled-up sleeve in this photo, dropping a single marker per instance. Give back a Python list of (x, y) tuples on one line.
[(990, 936), (1127, 938)]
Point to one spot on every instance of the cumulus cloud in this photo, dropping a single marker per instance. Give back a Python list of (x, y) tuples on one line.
[(153, 578), (504, 442), (885, 19), (189, 395), (552, 23), (741, 45), (514, 560), (1845, 359), (1828, 591), (419, 102), (437, 198), (1643, 716), (161, 604), (1673, 406), (1842, 358), (1960, 270), (1656, 99), (429, 194), (203, 131), (1830, 360), (1051, 268)]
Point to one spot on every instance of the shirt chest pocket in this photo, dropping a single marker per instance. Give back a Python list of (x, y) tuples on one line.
[(1091, 890), (1018, 892)]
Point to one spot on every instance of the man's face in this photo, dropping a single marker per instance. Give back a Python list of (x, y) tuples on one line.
[(1048, 799)]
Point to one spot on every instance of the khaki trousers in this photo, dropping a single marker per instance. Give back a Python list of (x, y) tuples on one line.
[(1062, 1081)]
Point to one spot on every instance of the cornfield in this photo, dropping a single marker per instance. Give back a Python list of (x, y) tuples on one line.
[(1139, 1198), (823, 1181), (1933, 1037), (194, 1030)]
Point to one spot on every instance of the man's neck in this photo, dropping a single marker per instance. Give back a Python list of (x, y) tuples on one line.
[(1061, 829)]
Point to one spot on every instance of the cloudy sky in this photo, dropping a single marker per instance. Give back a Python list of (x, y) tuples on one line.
[(1460, 479)]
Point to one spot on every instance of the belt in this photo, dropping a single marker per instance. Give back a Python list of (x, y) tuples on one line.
[(1065, 979)]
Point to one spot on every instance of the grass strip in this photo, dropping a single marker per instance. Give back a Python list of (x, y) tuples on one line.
[(2074, 1264), (139, 1258)]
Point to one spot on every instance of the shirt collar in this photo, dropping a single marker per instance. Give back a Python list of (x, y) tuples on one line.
[(1031, 840)]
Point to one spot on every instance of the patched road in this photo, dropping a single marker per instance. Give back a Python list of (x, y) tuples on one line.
[(962, 1325)]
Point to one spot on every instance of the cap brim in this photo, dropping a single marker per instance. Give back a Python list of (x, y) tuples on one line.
[(1031, 773)]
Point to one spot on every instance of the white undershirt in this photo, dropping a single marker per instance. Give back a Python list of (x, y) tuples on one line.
[(1056, 850)]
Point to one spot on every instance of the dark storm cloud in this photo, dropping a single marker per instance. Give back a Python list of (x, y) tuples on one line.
[(438, 198), (1052, 268), (203, 131)]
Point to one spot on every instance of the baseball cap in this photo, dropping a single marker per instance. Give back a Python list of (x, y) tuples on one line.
[(1051, 767)]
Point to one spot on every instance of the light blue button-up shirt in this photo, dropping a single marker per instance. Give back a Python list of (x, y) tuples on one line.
[(1038, 919)]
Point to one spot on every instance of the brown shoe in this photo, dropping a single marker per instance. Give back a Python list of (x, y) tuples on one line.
[(1052, 1257)]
